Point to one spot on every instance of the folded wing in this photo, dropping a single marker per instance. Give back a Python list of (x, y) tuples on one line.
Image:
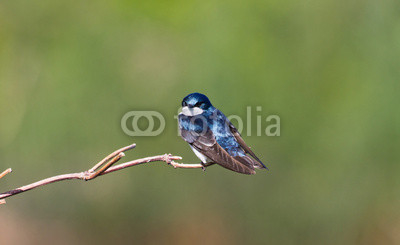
[(245, 147), (206, 144)]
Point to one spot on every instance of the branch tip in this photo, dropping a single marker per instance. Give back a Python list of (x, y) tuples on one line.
[(106, 166), (111, 156), (5, 172)]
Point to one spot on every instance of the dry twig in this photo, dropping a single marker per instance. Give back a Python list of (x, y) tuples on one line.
[(101, 168), (5, 172)]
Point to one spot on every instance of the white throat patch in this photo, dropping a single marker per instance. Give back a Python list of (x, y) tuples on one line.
[(190, 112)]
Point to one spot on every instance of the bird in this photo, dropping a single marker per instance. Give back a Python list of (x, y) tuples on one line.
[(213, 138)]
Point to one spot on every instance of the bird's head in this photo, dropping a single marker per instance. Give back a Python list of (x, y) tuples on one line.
[(194, 104)]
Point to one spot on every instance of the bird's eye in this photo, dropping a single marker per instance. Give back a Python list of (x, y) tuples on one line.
[(198, 104)]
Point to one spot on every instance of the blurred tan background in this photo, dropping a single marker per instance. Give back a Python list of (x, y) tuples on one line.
[(69, 71)]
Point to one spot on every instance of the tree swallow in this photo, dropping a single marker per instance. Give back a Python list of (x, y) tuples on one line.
[(213, 138)]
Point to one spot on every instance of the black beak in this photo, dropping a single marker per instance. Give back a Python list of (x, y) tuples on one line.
[(190, 106)]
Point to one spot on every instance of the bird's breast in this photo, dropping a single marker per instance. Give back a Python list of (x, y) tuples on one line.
[(202, 157)]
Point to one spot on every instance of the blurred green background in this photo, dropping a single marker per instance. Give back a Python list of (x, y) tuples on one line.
[(330, 69)]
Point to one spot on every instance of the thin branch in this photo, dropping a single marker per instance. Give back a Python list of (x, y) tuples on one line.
[(5, 172), (103, 167), (106, 166), (168, 158), (107, 158)]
